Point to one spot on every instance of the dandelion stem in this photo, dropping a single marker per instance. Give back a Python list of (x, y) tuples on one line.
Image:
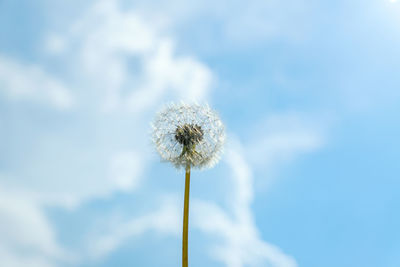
[(186, 219)]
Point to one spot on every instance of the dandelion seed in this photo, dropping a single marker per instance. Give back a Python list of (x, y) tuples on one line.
[(188, 136)]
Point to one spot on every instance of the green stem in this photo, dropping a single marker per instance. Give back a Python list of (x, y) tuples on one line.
[(186, 219)]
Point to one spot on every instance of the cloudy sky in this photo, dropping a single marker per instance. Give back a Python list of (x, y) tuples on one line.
[(309, 92)]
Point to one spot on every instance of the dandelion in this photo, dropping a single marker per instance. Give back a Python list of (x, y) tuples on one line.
[(188, 136)]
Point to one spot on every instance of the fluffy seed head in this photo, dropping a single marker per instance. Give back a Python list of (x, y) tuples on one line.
[(188, 134)]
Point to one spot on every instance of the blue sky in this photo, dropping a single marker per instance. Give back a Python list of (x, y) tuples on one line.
[(308, 91)]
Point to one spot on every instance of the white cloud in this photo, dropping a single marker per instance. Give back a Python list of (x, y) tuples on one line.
[(29, 81), (125, 170), (235, 24), (25, 229), (186, 77), (12, 259), (55, 44), (165, 221), (108, 41), (21, 216)]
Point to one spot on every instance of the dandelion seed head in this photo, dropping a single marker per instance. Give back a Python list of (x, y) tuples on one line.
[(188, 134)]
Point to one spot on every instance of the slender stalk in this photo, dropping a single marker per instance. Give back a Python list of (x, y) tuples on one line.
[(186, 219)]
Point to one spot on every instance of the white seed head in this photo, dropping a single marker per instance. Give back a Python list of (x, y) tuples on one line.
[(188, 135)]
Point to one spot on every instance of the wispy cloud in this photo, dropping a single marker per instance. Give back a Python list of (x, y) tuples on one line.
[(130, 59), (238, 24), (25, 228), (126, 170), (238, 241), (284, 136), (164, 220), (31, 82)]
